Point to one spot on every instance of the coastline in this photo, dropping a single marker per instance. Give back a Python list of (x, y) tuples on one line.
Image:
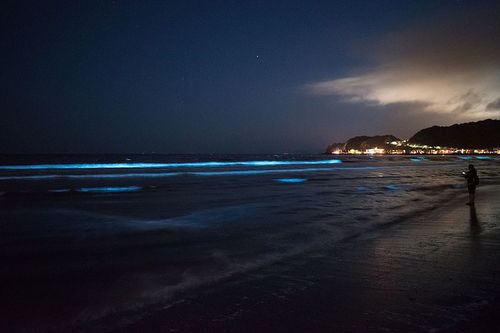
[(434, 272)]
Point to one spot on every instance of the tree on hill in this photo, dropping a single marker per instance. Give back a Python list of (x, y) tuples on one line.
[(369, 142), (481, 134)]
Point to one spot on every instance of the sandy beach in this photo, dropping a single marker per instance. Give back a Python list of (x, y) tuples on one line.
[(435, 272)]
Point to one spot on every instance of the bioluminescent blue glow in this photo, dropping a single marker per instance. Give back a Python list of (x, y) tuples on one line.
[(161, 165), (361, 188), (60, 191), (200, 173), (170, 174), (418, 159), (254, 172), (109, 189), (392, 187), (291, 180), (464, 157), (483, 157), (110, 175)]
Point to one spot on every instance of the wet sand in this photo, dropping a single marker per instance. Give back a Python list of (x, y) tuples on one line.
[(437, 271)]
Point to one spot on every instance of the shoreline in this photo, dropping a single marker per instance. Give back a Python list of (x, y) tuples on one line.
[(434, 272)]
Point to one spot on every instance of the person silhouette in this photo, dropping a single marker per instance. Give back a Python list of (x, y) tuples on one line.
[(472, 181)]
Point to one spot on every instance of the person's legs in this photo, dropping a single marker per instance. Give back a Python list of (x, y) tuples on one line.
[(472, 194)]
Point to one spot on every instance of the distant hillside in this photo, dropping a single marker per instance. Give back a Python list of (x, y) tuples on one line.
[(481, 134), (368, 142)]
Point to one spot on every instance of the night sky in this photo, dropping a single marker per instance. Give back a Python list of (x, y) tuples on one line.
[(240, 76)]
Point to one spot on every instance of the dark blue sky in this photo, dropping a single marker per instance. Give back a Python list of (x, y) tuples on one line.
[(206, 76)]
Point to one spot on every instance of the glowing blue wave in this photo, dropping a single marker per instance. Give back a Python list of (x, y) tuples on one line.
[(201, 173), (171, 174), (291, 180), (483, 157), (252, 172), (161, 165), (99, 176), (464, 157), (109, 189)]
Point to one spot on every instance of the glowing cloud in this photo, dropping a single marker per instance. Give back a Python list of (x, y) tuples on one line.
[(450, 65), (468, 93)]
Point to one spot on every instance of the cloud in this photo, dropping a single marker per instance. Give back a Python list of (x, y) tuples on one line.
[(449, 66), (495, 105)]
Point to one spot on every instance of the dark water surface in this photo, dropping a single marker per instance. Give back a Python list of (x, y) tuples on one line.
[(83, 240)]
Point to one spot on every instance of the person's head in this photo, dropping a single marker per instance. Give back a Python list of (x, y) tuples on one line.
[(471, 167)]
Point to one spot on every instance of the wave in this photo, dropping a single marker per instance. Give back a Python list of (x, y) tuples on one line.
[(161, 165), (109, 189), (203, 173), (161, 297)]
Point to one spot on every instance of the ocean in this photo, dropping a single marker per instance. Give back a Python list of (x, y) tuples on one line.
[(86, 238)]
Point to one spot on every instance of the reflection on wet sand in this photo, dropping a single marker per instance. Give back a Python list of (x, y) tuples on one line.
[(475, 226)]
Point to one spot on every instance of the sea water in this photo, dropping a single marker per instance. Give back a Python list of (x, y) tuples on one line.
[(87, 237)]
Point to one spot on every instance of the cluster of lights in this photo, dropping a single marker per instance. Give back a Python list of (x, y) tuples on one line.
[(403, 147)]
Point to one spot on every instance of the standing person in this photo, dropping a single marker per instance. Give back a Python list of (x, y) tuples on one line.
[(472, 182)]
